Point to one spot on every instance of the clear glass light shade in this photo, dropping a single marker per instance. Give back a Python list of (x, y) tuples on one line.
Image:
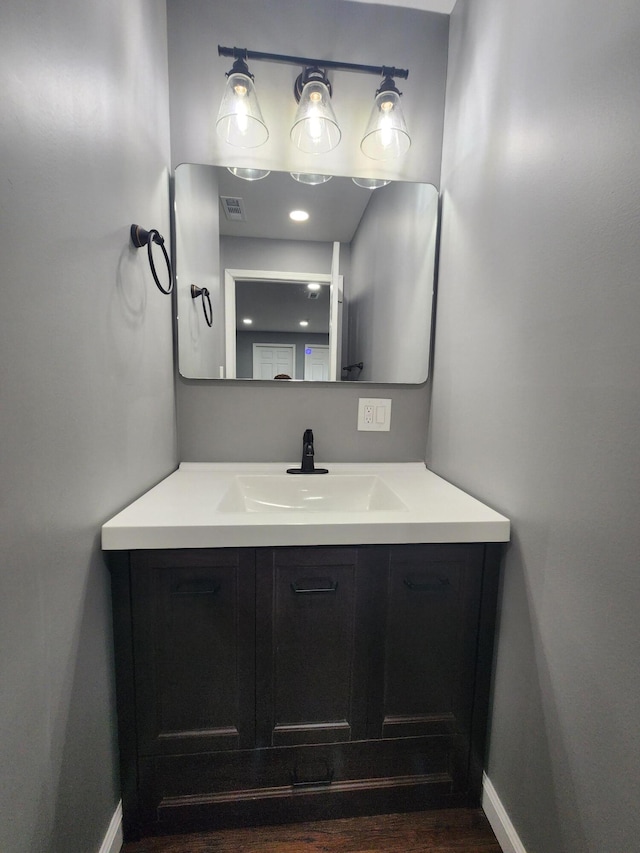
[(315, 128), (386, 136), (311, 179), (240, 121), (370, 183), (248, 174)]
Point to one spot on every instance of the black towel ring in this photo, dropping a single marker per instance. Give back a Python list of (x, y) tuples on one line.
[(206, 301), (140, 238)]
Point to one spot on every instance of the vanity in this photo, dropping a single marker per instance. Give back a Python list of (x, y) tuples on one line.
[(297, 648)]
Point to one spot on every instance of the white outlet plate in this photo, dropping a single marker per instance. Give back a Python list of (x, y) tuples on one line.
[(374, 414)]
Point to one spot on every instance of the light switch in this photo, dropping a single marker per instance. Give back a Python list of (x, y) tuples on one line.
[(374, 414)]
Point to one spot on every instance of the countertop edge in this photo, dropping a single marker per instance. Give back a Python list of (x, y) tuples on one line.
[(125, 539)]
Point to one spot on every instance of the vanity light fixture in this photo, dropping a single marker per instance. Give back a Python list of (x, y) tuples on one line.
[(309, 178), (299, 215), (370, 183), (248, 174), (240, 121), (247, 321), (304, 322), (386, 135), (315, 128)]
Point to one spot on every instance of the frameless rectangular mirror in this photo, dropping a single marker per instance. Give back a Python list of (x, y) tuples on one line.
[(344, 295)]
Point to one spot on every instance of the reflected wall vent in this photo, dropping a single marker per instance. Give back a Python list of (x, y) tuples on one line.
[(233, 208)]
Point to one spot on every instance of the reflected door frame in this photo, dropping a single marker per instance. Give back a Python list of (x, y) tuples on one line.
[(233, 275)]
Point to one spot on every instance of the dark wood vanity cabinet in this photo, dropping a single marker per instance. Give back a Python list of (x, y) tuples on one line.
[(278, 684)]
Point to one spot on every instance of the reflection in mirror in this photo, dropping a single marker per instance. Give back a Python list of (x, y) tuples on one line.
[(371, 251), (279, 326)]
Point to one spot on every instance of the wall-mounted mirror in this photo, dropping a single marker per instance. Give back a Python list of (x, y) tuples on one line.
[(344, 295)]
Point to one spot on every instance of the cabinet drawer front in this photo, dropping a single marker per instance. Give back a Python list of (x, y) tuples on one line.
[(194, 651), (179, 786)]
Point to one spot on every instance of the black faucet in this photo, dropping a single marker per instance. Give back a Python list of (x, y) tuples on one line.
[(307, 466)]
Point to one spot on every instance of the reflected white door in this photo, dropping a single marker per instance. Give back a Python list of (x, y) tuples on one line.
[(269, 360), (316, 362)]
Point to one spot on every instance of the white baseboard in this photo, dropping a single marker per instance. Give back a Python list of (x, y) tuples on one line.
[(499, 819), (492, 806), (114, 839)]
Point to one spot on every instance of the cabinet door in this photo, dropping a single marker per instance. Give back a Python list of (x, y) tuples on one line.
[(194, 650), (429, 642), (311, 649)]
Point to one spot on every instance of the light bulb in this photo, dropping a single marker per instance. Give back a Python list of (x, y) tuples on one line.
[(313, 116), (385, 123)]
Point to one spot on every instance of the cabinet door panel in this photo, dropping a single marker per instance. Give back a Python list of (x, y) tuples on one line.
[(309, 663), (194, 617), (433, 596)]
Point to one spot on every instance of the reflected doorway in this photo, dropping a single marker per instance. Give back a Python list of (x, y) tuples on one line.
[(316, 362), (273, 360)]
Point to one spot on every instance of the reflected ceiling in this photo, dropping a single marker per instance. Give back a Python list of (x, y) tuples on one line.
[(335, 208)]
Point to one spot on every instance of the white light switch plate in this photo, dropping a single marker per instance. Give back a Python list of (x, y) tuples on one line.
[(374, 414)]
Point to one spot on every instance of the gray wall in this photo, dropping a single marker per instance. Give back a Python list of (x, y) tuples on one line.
[(392, 259), (86, 389), (536, 395), (285, 255), (263, 422), (197, 261), (218, 421)]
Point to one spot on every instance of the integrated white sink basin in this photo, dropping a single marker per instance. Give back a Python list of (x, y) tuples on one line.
[(257, 504), (310, 493)]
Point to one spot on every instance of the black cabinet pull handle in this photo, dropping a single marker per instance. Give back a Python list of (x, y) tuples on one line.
[(308, 586), (430, 585), (311, 783), (195, 588)]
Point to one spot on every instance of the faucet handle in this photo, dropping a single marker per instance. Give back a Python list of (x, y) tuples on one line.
[(307, 466)]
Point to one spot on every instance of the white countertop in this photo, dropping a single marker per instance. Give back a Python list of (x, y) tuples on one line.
[(182, 512)]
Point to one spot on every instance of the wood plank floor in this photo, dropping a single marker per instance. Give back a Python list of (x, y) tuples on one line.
[(444, 831)]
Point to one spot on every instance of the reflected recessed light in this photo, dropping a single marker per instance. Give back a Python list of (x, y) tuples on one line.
[(304, 322), (299, 215), (313, 285), (247, 321)]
